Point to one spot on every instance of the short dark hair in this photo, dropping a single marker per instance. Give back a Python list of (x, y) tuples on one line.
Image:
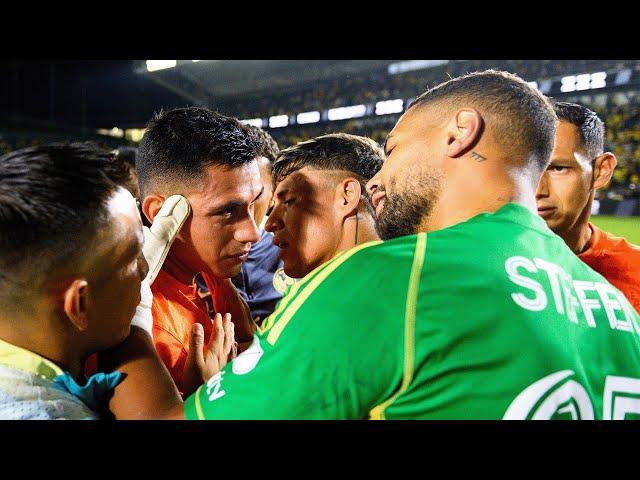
[(523, 117), (125, 158), (268, 146), (53, 200), (589, 125), (178, 144), (358, 155)]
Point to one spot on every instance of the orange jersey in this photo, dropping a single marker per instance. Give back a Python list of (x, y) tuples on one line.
[(176, 307), (617, 260)]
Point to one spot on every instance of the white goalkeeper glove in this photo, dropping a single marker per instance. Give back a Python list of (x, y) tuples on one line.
[(157, 242)]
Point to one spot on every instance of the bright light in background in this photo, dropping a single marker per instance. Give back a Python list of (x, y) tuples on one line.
[(278, 121), (256, 122), (308, 117), (112, 132), (534, 84), (410, 65), (195, 61), (153, 65), (134, 134), (389, 106), (343, 113), (599, 80), (585, 81)]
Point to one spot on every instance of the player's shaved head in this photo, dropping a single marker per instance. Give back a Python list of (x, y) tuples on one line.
[(517, 114)]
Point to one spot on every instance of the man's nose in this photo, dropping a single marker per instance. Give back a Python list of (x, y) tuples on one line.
[(543, 187)]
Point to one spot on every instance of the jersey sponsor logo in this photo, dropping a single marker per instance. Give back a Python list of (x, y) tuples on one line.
[(214, 387), (568, 296), (247, 360), (281, 281)]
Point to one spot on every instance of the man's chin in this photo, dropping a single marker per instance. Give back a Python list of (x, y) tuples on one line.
[(225, 271)]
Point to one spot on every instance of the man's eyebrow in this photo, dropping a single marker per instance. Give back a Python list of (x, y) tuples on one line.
[(282, 193), (225, 206)]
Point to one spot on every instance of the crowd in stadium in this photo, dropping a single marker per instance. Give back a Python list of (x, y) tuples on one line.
[(439, 264)]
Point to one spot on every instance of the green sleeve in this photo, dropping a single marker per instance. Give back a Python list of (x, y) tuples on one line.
[(333, 349)]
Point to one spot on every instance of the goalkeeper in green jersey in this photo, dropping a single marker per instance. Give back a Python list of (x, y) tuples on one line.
[(470, 308)]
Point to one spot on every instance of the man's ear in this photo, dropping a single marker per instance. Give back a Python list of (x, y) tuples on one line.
[(464, 132), (603, 168), (348, 194), (151, 205), (76, 304)]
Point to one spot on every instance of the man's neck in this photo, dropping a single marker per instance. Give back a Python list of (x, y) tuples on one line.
[(356, 231), (59, 353), (578, 239), (174, 268), (451, 212)]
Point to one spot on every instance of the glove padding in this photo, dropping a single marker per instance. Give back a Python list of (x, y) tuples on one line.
[(157, 242), (160, 236), (143, 318)]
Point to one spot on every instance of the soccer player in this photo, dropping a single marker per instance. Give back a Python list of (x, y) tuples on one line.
[(71, 270), (321, 206), (471, 308), (209, 159), (579, 166), (262, 280)]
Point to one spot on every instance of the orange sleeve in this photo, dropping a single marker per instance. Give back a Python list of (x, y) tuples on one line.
[(172, 353)]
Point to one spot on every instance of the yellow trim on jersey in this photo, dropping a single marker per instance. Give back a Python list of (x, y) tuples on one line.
[(199, 411), (299, 300), (23, 359), (269, 321), (377, 413)]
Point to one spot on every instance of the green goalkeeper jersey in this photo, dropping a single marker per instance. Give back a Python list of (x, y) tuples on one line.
[(492, 318)]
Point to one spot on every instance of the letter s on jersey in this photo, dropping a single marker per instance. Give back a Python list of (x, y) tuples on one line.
[(539, 301)]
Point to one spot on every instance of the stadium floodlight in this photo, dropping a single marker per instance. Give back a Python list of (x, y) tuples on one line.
[(568, 83), (583, 82), (153, 65), (256, 122), (134, 134), (111, 132), (389, 106), (278, 121), (534, 84), (342, 113), (410, 65), (599, 80), (308, 117)]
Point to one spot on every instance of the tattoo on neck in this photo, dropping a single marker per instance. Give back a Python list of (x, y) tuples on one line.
[(478, 157)]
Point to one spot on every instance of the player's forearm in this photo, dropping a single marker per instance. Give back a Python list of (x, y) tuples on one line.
[(147, 392)]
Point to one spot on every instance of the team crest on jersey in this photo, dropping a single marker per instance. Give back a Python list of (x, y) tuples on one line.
[(281, 281)]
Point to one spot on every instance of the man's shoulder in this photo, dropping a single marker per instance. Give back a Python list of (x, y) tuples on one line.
[(378, 253), (610, 243)]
